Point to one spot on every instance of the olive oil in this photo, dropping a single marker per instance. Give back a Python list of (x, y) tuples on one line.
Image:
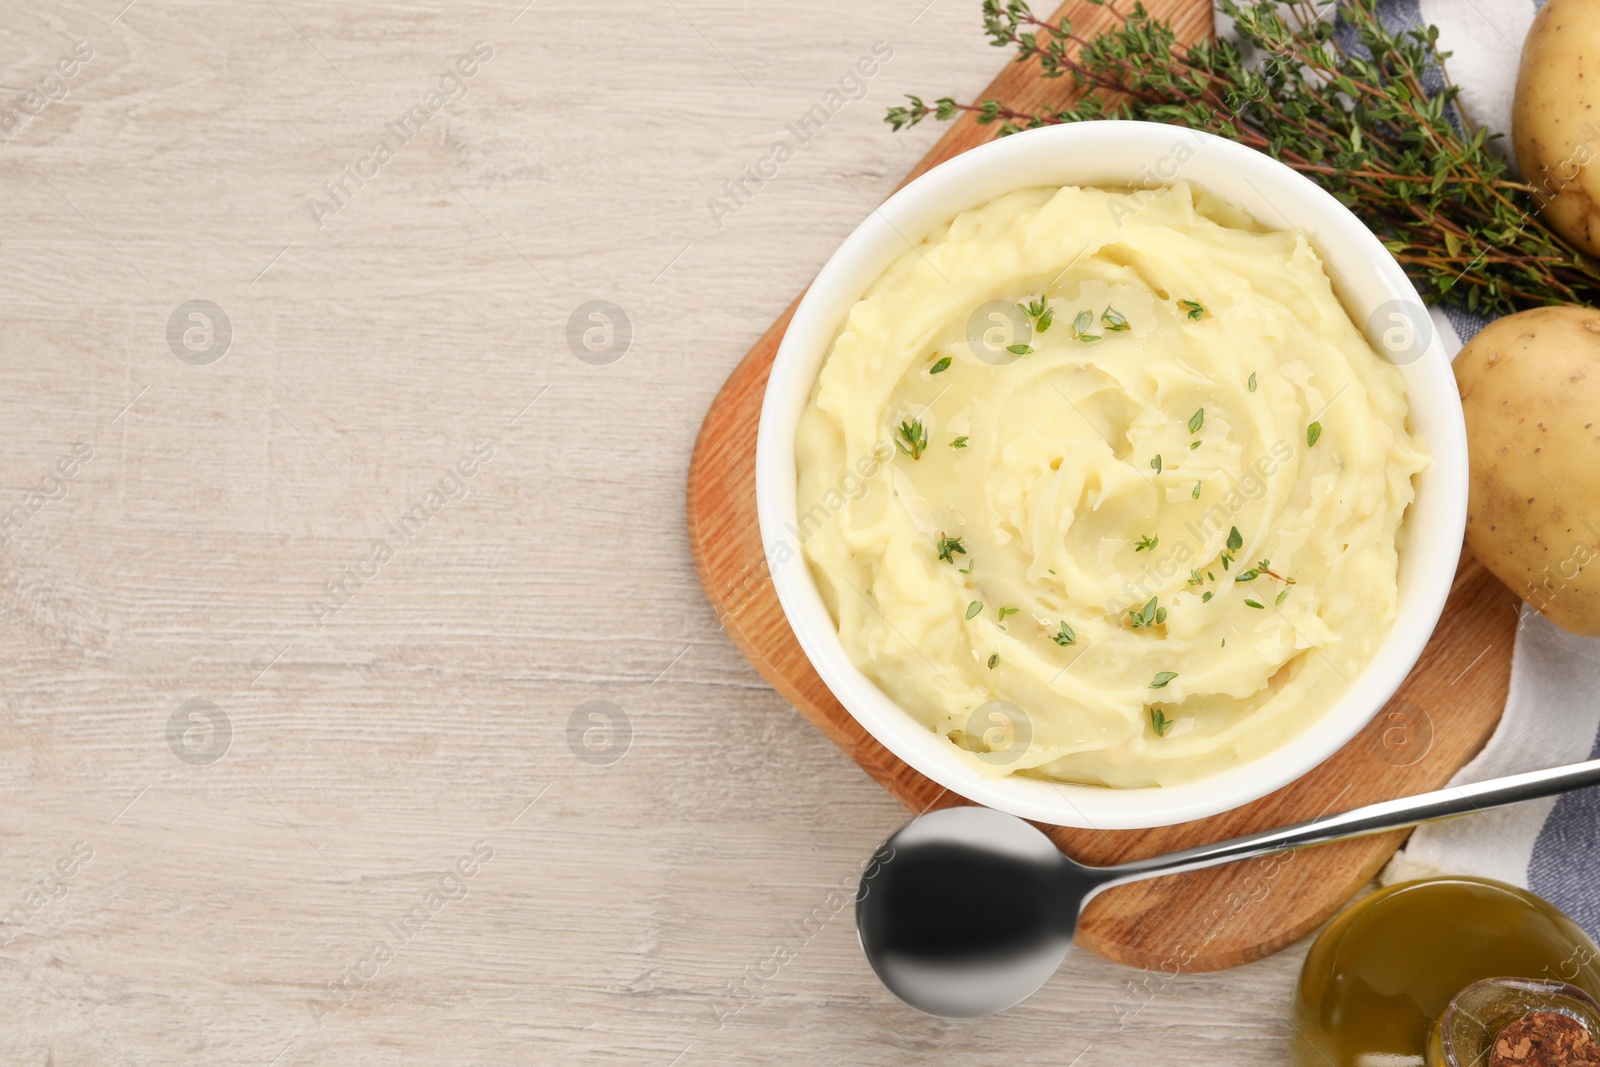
[(1381, 975)]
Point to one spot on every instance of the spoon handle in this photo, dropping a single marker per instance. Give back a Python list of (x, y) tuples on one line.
[(1374, 818)]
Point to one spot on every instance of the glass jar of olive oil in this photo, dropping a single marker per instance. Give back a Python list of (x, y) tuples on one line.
[(1381, 976)]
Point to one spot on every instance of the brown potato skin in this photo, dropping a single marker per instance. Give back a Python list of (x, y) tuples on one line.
[(1530, 389), (1555, 118)]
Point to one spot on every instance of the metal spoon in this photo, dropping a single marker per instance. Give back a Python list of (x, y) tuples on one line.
[(968, 911)]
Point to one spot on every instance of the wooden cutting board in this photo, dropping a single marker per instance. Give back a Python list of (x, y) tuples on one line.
[(1201, 921)]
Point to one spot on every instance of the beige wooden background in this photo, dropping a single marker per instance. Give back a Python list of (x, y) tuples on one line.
[(262, 881)]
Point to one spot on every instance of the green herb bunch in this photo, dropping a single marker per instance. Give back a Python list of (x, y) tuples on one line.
[(1359, 122)]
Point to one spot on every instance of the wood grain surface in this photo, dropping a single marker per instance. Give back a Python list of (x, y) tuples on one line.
[(675, 908), (1205, 920)]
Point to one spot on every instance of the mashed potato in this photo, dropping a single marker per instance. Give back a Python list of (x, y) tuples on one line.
[(1104, 487)]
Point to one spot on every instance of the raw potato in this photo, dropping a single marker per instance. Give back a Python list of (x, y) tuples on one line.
[(1530, 385), (1555, 123)]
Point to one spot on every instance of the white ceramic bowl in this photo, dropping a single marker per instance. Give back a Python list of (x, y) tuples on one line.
[(1116, 153)]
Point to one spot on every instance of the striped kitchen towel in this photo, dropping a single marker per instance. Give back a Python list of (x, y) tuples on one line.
[(1550, 846), (1553, 712)]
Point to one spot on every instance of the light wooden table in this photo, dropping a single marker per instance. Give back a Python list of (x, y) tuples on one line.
[(260, 878)]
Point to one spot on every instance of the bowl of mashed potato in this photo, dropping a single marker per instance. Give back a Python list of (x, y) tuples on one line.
[(1112, 475)]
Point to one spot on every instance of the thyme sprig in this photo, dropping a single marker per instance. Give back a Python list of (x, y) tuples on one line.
[(912, 438), (1041, 314), (1235, 543), (1264, 567), (1373, 125), (1080, 327), (1147, 617), (1159, 721)]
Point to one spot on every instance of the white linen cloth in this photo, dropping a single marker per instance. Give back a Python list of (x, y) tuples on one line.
[(1552, 715)]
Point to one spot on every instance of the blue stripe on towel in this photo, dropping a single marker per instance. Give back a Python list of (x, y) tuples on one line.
[(1467, 323), (1397, 16), (1556, 870)]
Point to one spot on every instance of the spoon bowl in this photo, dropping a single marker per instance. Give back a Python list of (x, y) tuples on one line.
[(966, 912)]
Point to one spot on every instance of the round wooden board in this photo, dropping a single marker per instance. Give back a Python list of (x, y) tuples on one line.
[(1201, 921)]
